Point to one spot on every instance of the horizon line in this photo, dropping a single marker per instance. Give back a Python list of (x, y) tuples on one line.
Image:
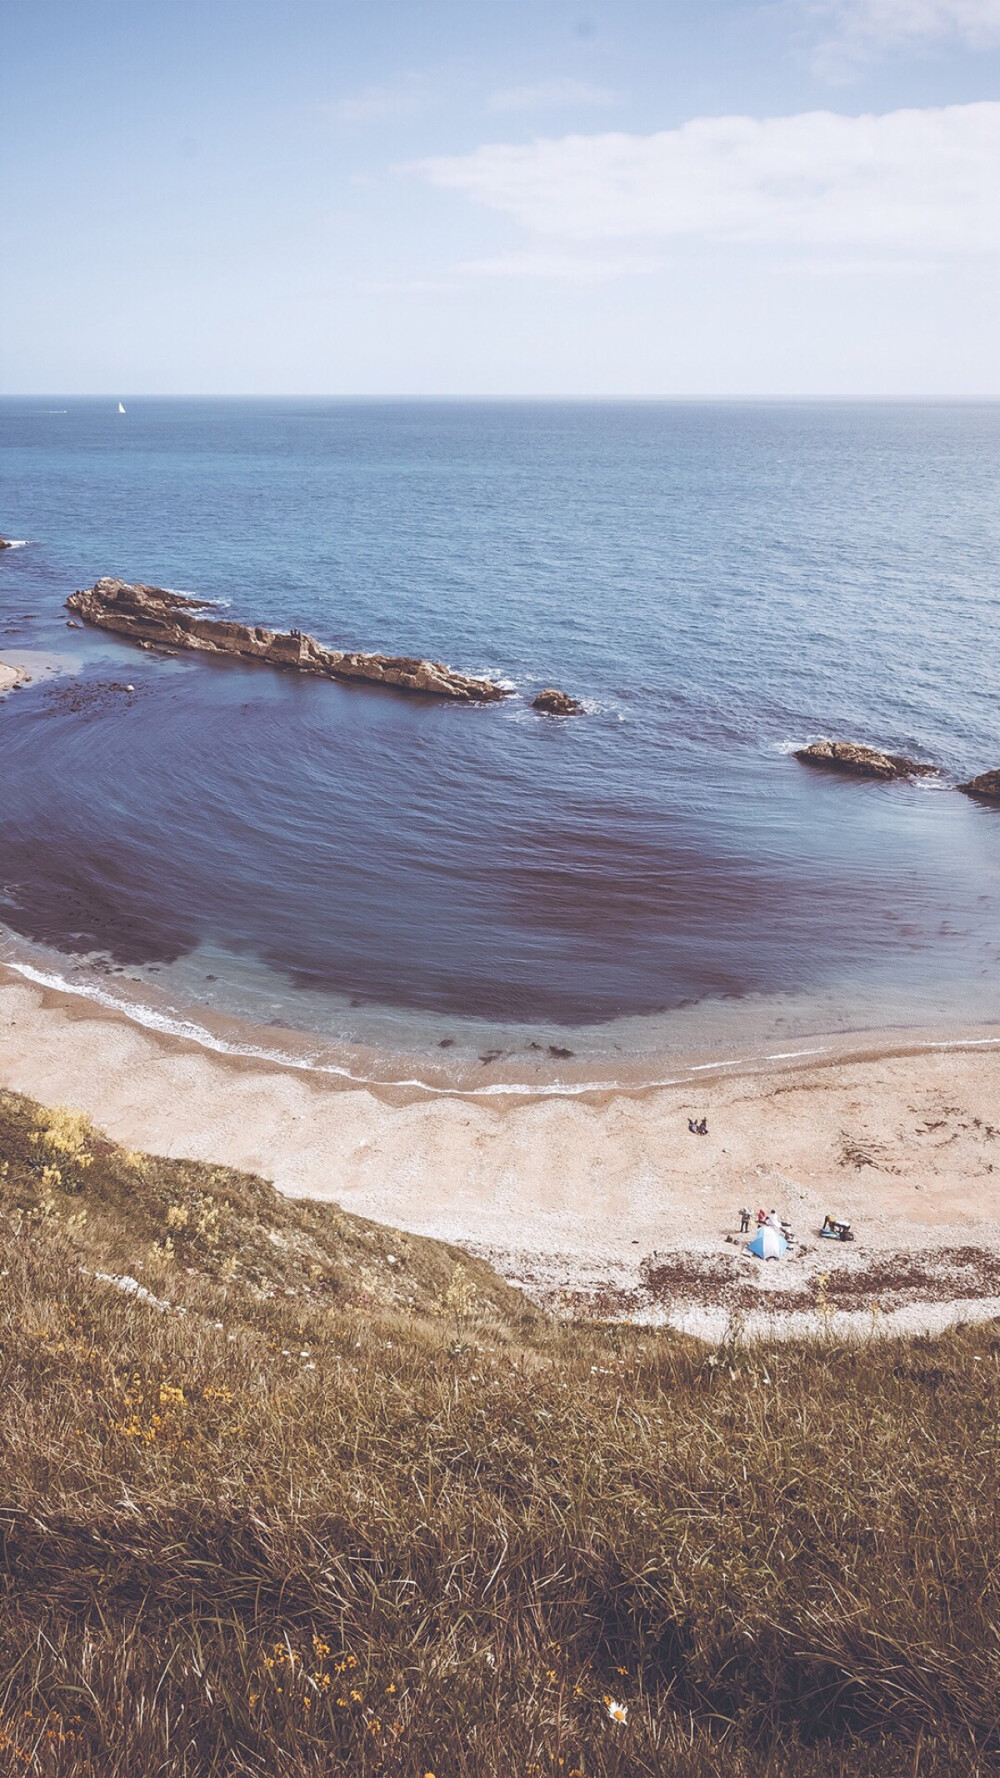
[(333, 395)]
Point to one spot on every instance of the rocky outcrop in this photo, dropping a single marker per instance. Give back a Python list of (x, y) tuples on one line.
[(4, 544), (858, 761), (986, 785), (155, 618), (557, 703)]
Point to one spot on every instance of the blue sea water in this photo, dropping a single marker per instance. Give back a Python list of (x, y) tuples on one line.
[(717, 582)]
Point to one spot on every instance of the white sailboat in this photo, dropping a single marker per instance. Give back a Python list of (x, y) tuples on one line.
[(121, 409)]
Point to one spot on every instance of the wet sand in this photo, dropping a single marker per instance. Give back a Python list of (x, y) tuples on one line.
[(571, 1193)]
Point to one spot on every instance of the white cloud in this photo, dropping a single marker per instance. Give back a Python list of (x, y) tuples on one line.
[(552, 265), (375, 103), (549, 94), (925, 181), (868, 24)]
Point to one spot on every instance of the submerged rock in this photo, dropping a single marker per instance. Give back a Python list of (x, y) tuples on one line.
[(156, 618), (859, 761), (4, 544), (557, 703), (987, 784)]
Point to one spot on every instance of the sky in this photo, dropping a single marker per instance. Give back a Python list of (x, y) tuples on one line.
[(500, 197)]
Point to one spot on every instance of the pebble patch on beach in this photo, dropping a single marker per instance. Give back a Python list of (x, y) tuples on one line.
[(825, 1284)]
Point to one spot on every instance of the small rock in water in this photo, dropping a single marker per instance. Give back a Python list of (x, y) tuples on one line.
[(987, 785), (561, 1055), (557, 703), (858, 761)]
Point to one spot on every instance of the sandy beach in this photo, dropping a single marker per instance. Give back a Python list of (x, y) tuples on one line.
[(602, 1198)]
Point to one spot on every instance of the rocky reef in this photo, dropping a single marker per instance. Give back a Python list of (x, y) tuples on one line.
[(4, 544), (858, 761), (156, 618), (987, 784), (557, 703)]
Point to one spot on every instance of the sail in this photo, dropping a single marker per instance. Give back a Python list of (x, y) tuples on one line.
[(121, 410)]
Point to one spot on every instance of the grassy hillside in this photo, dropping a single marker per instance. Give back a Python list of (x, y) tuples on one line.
[(287, 1493)]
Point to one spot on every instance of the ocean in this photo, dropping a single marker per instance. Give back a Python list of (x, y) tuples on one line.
[(227, 848)]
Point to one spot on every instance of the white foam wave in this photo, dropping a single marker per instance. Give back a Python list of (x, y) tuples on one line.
[(790, 1055), (493, 674), (603, 707), (186, 592), (16, 542)]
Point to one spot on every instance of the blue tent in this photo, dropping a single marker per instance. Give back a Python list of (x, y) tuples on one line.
[(768, 1243)]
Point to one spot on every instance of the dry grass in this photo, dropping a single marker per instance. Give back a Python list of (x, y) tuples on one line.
[(338, 1517)]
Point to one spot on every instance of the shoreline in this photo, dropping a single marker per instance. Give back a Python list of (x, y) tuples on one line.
[(11, 677), (581, 1192), (391, 1070)]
